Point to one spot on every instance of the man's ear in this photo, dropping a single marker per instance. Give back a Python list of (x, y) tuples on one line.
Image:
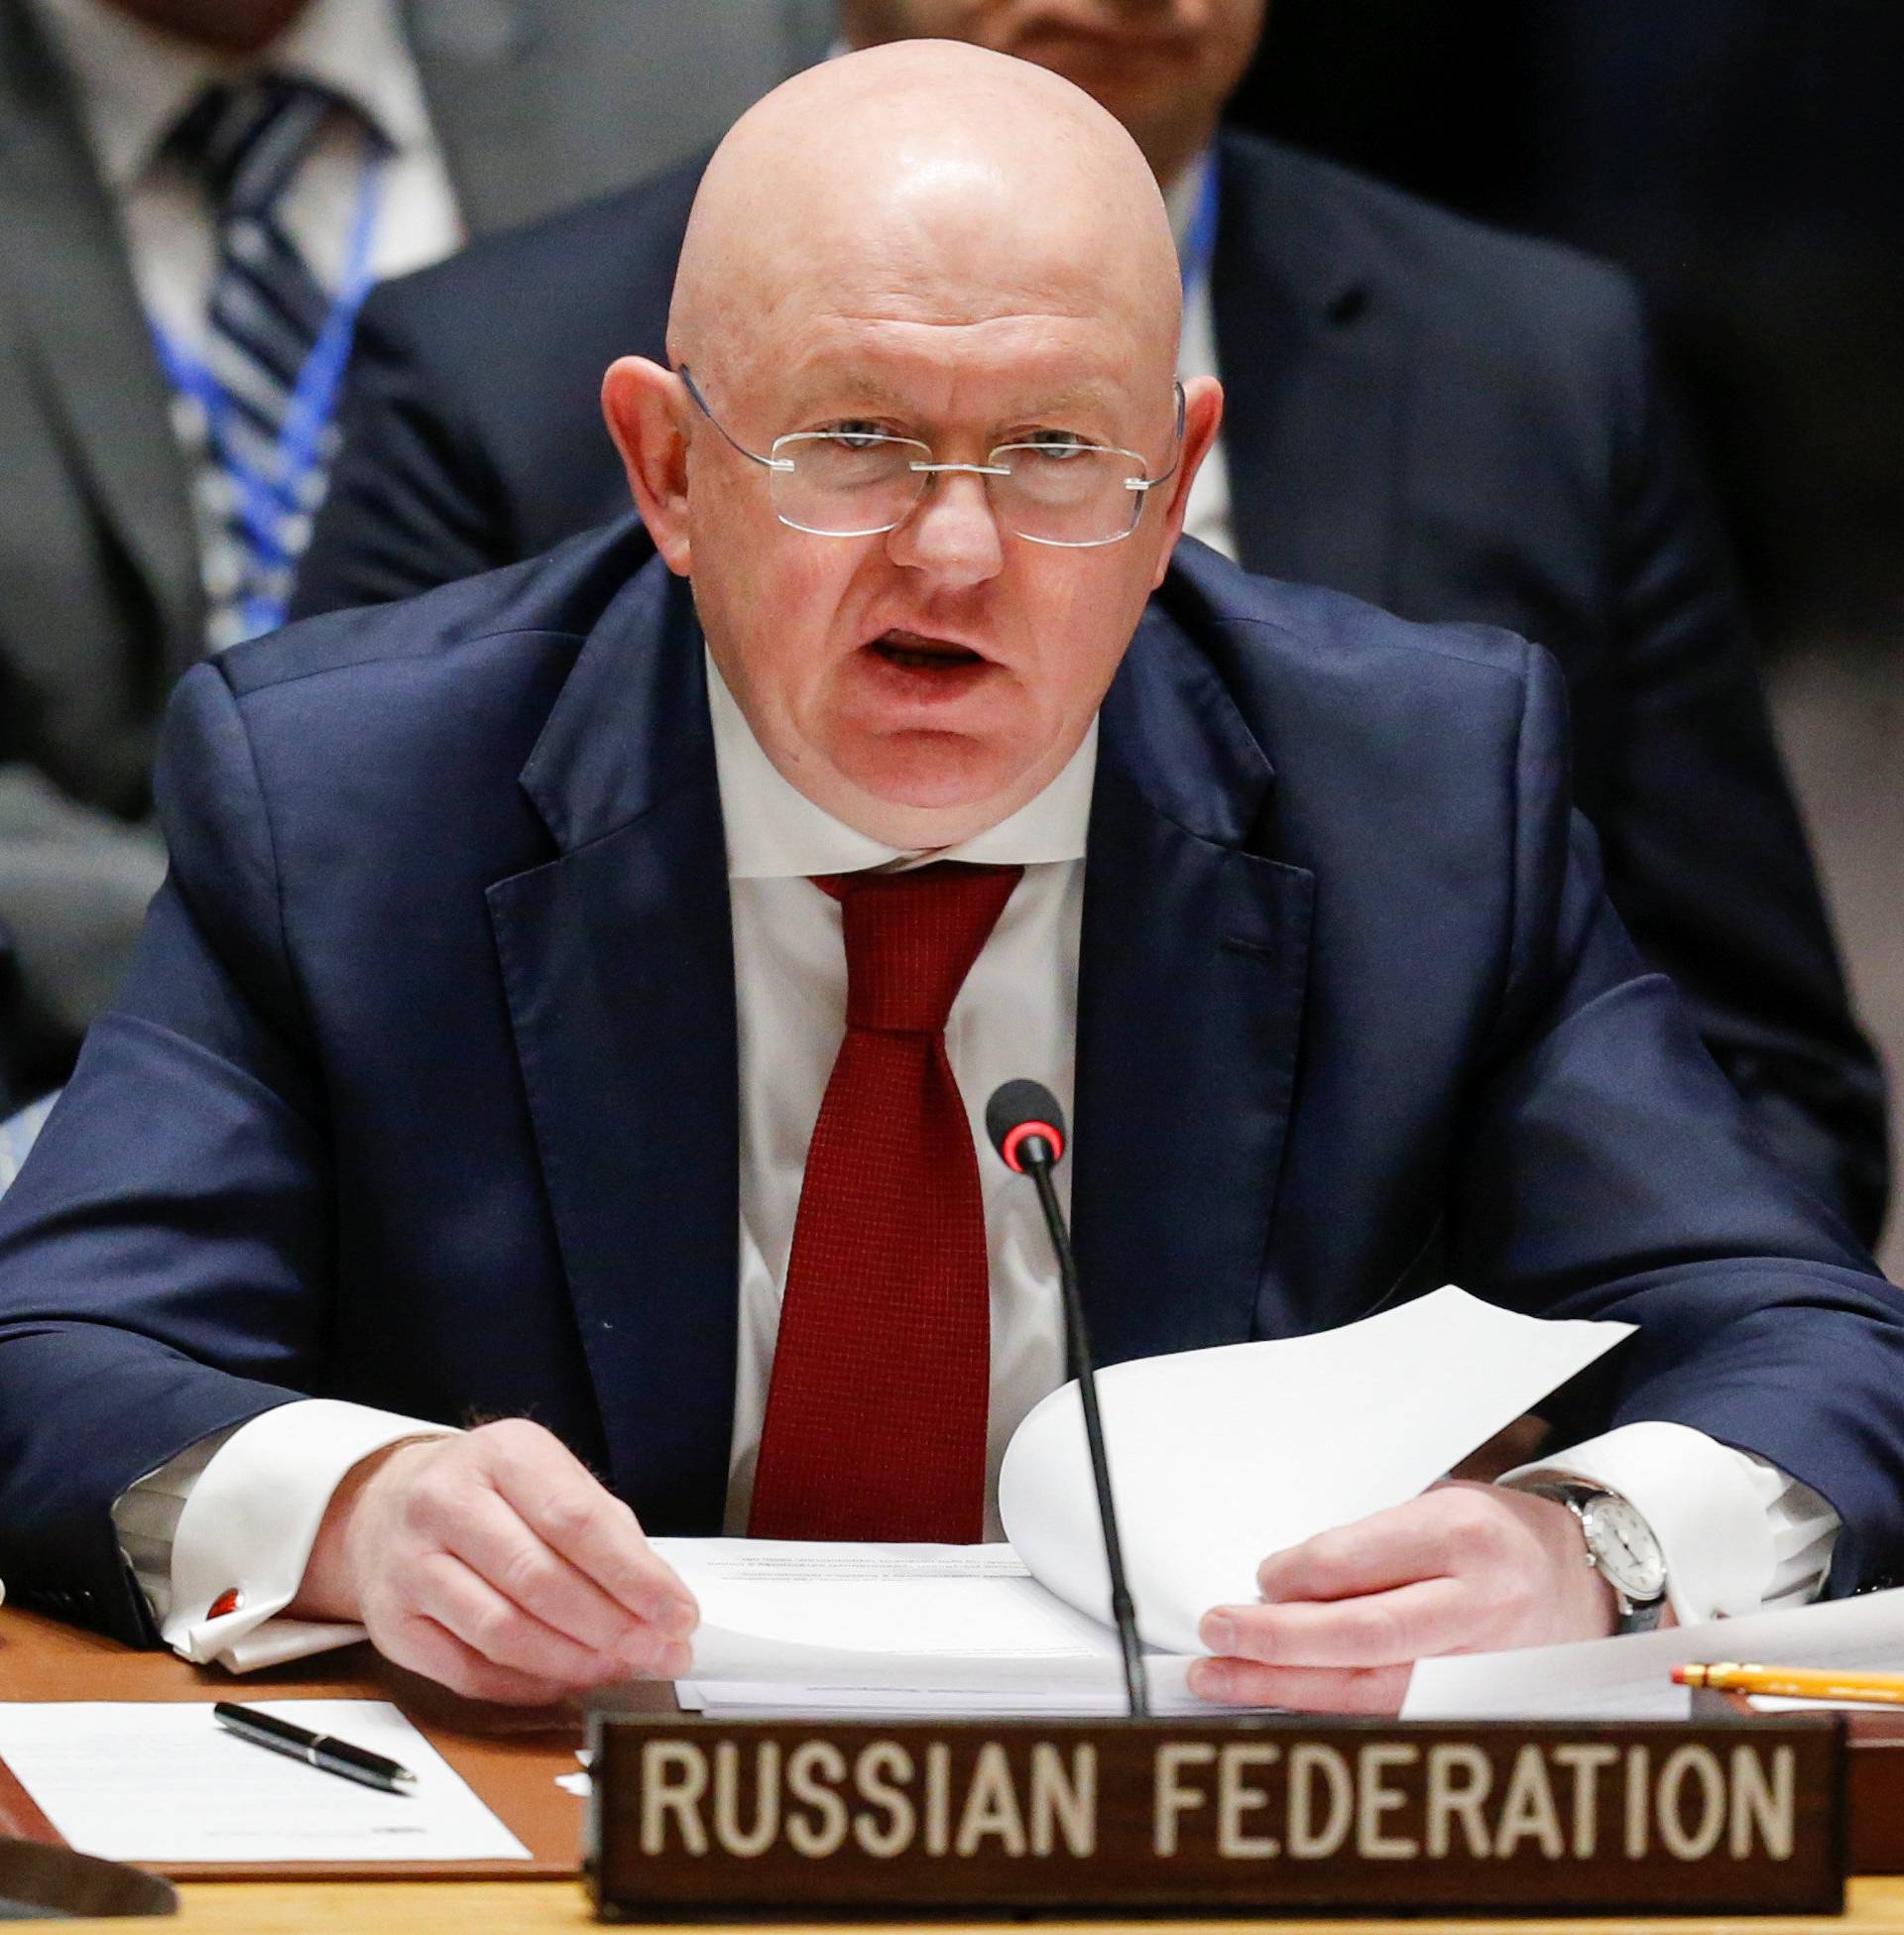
[(646, 409), (1202, 417)]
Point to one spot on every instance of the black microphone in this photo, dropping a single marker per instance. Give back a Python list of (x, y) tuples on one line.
[(1026, 1127)]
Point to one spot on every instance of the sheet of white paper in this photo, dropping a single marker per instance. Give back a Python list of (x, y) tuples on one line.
[(1220, 1457), (1782, 1703), (1630, 1679), (162, 1781), (955, 1618)]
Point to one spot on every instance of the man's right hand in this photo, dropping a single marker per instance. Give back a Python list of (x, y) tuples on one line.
[(495, 1563)]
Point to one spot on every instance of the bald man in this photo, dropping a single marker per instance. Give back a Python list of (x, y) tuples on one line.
[(575, 987)]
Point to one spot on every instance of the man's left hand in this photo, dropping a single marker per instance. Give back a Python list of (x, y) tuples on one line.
[(1463, 1568)]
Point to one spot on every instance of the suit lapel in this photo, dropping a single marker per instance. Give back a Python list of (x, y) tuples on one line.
[(1194, 957), (84, 333), (619, 963), (1315, 367)]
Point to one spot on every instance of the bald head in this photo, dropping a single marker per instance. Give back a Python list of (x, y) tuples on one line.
[(930, 183)]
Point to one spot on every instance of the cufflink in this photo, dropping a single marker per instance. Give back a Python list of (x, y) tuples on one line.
[(228, 1601)]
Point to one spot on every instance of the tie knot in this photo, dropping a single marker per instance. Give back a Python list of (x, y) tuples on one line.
[(912, 938), (247, 139)]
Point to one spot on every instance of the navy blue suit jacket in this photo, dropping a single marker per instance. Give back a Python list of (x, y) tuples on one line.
[(1451, 422), (422, 1091)]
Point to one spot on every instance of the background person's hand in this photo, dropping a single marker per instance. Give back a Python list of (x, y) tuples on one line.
[(495, 1563), (1463, 1568)]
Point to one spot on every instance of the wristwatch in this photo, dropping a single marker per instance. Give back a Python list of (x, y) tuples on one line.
[(1620, 1548)]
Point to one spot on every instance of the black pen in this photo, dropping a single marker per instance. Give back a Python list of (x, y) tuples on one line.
[(322, 1751)]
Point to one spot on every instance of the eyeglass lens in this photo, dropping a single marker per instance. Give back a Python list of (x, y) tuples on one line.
[(857, 486)]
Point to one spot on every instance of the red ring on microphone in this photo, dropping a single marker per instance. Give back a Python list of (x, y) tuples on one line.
[(1010, 1147)]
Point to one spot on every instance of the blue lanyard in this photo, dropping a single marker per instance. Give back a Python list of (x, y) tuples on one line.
[(268, 502), (1200, 240)]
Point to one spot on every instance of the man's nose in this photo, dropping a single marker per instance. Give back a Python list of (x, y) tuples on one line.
[(953, 532)]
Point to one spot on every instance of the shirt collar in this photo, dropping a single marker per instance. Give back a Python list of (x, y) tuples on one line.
[(774, 832), (133, 81)]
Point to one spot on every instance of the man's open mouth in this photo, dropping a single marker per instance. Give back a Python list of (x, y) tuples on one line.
[(912, 652)]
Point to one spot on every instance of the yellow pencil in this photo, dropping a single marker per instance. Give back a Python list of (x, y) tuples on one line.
[(1797, 1682)]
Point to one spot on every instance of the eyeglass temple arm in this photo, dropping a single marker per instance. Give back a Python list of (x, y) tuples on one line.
[(1142, 484), (767, 463)]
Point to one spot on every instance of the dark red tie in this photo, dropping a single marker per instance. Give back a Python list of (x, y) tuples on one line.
[(876, 1413)]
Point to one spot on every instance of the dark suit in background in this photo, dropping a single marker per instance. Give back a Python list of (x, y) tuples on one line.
[(1741, 157), (9, 1016), (1330, 875), (537, 104), (1450, 422)]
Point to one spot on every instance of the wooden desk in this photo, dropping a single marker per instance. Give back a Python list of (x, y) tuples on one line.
[(511, 1759)]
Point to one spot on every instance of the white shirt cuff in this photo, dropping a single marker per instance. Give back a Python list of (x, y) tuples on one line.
[(1737, 1534), (247, 1523)]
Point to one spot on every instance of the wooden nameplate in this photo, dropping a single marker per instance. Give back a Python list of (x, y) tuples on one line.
[(695, 1818)]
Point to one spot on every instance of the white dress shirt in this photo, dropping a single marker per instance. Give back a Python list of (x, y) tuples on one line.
[(242, 1510), (134, 84)]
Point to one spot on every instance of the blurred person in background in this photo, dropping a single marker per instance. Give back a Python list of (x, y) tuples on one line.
[(1741, 158), (1452, 421), (195, 196)]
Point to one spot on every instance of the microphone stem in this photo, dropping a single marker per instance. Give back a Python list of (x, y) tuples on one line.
[(1038, 1161)]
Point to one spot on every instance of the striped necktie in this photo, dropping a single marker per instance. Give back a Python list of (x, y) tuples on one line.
[(265, 313)]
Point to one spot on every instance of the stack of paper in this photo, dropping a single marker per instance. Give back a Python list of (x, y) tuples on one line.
[(1217, 1458), (892, 1629)]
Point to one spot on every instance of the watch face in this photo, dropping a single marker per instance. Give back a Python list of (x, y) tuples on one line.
[(1624, 1548)]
